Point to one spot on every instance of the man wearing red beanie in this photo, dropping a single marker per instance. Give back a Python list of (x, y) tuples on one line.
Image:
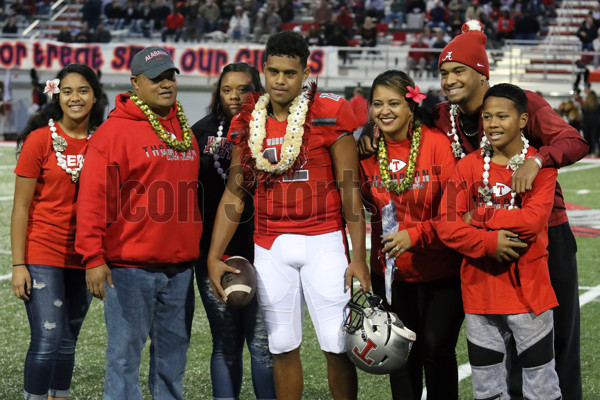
[(464, 71)]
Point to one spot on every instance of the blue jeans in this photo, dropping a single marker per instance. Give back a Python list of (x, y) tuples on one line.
[(56, 308), (142, 304), (230, 327)]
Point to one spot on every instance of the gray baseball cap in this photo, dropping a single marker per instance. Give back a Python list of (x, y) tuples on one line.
[(152, 61)]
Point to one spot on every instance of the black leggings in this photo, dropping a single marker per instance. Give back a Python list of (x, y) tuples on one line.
[(434, 311)]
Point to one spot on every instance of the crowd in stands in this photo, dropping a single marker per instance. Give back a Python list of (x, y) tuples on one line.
[(333, 22), (583, 114)]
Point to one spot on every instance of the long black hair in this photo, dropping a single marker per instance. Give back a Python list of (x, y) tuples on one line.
[(215, 107), (52, 109)]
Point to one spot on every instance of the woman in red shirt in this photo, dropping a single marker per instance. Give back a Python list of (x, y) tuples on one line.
[(47, 273), (411, 168), (505, 26)]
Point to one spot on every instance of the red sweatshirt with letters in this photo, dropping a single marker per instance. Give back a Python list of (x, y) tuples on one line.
[(138, 204), (558, 142), (489, 286)]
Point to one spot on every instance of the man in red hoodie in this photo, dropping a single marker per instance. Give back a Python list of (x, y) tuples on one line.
[(139, 228)]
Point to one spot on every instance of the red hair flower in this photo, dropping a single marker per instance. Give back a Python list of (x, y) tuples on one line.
[(415, 94)]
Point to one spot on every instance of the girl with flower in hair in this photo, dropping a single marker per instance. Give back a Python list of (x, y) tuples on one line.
[(410, 170), (47, 273)]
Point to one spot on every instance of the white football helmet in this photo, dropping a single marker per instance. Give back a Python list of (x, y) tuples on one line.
[(377, 341)]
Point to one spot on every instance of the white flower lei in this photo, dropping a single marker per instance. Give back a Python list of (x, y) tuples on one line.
[(456, 147), (292, 141), (514, 163), (59, 144)]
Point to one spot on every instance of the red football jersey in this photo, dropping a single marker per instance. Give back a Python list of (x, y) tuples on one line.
[(308, 203), (429, 259), (488, 286)]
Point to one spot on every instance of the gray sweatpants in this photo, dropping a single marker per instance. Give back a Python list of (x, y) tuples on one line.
[(494, 332)]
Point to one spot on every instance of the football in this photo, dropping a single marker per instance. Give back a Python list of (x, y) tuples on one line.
[(239, 288)]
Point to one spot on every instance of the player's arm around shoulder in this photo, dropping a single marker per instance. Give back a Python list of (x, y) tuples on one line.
[(344, 156)]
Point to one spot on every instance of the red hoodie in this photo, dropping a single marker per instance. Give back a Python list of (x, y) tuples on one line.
[(138, 203)]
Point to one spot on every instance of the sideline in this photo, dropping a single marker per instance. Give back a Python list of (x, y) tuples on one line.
[(464, 370), (579, 168)]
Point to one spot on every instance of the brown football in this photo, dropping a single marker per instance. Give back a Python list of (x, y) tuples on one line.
[(239, 288)]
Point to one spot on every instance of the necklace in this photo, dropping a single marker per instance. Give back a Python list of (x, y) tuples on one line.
[(292, 140), (384, 170), (59, 144), (215, 151), (167, 137), (456, 147), (514, 163), (465, 131)]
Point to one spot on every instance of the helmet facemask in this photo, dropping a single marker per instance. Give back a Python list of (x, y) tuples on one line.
[(376, 340)]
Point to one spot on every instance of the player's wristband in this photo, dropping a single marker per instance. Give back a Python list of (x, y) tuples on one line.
[(17, 265), (537, 160)]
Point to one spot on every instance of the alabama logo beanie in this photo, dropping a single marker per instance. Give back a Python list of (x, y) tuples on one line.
[(468, 48)]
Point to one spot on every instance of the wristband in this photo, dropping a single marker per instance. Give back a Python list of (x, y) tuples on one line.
[(17, 265), (538, 161)]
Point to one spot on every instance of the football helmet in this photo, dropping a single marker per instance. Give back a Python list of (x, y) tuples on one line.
[(377, 341)]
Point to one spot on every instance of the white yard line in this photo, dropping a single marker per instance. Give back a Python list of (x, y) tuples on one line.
[(6, 198), (464, 370), (578, 168), (589, 296)]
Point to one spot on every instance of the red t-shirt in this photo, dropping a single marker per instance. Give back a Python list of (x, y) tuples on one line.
[(417, 55), (488, 286), (309, 203), (51, 225), (429, 259)]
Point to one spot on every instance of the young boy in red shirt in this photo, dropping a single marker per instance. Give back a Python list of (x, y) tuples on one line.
[(506, 287)]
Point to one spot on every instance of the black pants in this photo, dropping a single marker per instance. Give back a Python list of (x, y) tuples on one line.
[(563, 275), (434, 311)]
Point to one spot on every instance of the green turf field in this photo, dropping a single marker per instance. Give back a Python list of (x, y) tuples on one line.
[(581, 186)]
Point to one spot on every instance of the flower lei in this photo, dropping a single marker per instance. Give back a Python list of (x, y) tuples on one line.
[(167, 137), (384, 170), (514, 163), (59, 144), (292, 140), (457, 149)]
